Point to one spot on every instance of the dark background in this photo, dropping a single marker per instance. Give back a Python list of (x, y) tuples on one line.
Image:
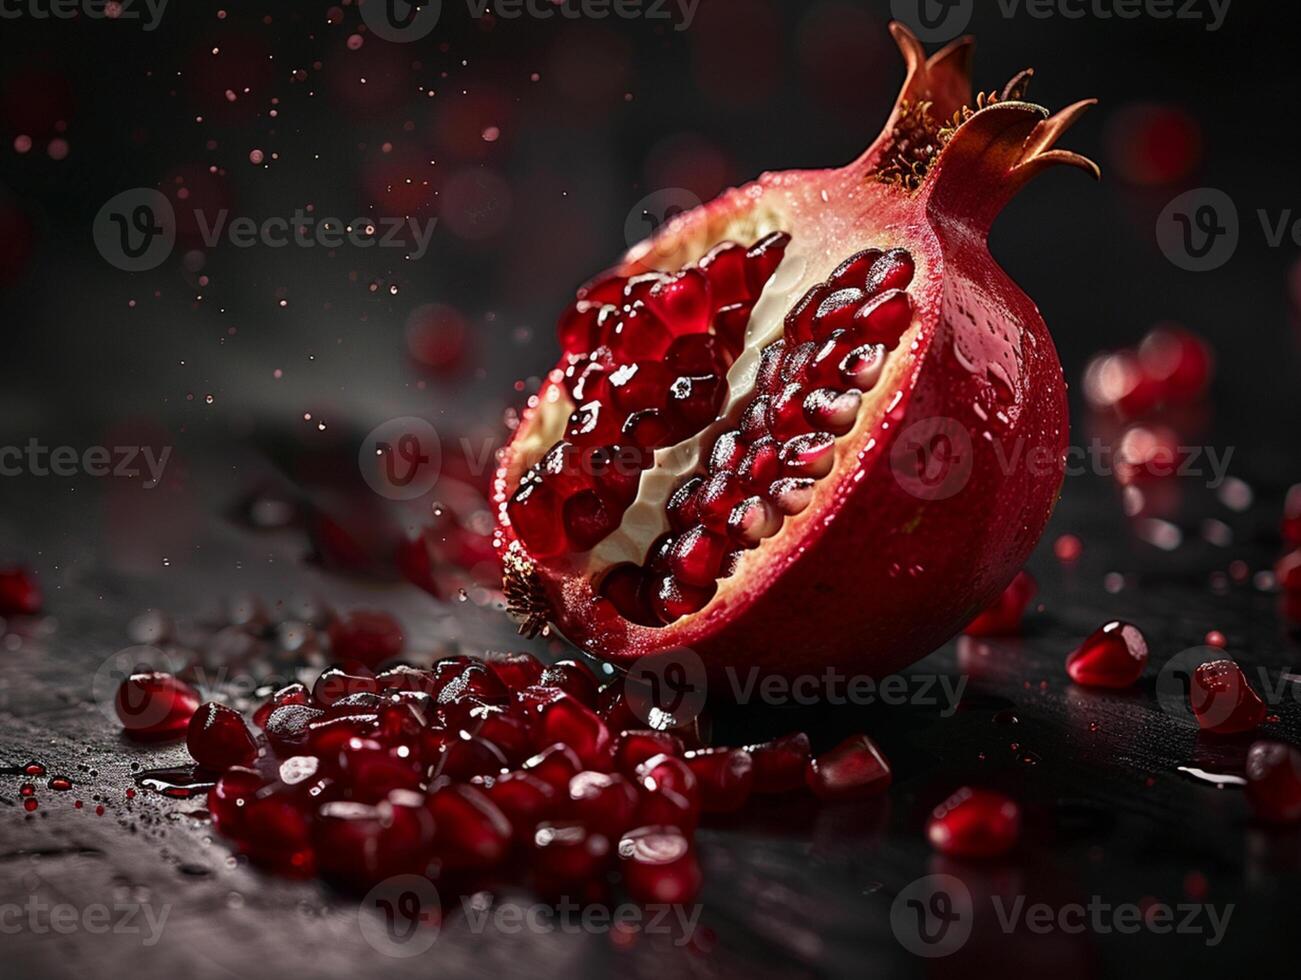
[(93, 355)]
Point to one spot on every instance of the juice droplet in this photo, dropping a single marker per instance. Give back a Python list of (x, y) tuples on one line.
[(34, 769), (60, 783), (27, 789), (30, 805)]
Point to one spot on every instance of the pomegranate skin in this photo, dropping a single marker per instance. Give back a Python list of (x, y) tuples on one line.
[(881, 568)]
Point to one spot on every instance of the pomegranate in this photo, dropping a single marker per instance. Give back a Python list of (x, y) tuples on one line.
[(155, 705), (1003, 618), (780, 430), (1222, 700), (1113, 655)]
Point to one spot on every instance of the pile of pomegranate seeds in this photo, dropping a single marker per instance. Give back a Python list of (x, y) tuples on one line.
[(19, 593), (470, 767), (808, 391), (975, 823), (647, 368), (1170, 368), (1112, 656), (1222, 700), (1003, 617)]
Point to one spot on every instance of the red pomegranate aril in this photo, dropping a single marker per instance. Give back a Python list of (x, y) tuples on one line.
[(636, 387), (1113, 656), (532, 511), (681, 507), (370, 770), (587, 520), (720, 493), (574, 678), (594, 423), (832, 411), (799, 321), (752, 520), (670, 793), (1274, 782), (470, 830), (768, 374), (779, 765), (624, 587), (468, 756), (727, 453), (696, 557), (603, 289), (730, 324), (638, 335), (836, 311), (796, 361), (217, 738), (1287, 573), (154, 705), (810, 455), (693, 402), (893, 270), (975, 823), (19, 593), (1222, 700), (791, 494), (659, 866), (361, 844), (569, 721), (399, 722), (823, 368), (647, 429), (524, 799), (671, 599), (1177, 362), (636, 746), (276, 834), (696, 354), (404, 677), (760, 465), (516, 670), (1003, 617), (682, 303), (474, 680), (786, 412), (287, 726), (230, 795), (567, 851), (861, 367), (555, 765), (335, 684), (367, 637), (725, 777), (854, 769), (754, 420), (577, 329), (884, 319), (603, 802), (725, 267), (762, 259), (854, 270)]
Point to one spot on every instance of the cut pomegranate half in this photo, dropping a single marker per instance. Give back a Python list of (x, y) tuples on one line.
[(783, 423)]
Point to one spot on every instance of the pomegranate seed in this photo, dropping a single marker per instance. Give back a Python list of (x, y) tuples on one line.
[(779, 765), (725, 267), (694, 401), (682, 505), (367, 637), (836, 311), (405, 678), (276, 834), (727, 453), (1177, 361), (217, 738), (760, 465), (884, 319), (1003, 616), (532, 511), (229, 796), (975, 823), (572, 723), (361, 844), (893, 270), (567, 851), (853, 770), (647, 429), (577, 329), (604, 802), (786, 412), (287, 726), (1113, 656), (720, 493), (335, 684), (474, 680), (603, 289), (730, 324), (854, 270), (697, 353), (555, 765), (799, 321), (696, 557), (524, 799), (515, 670), (796, 362), (636, 746), (370, 770), (763, 258), (861, 367), (587, 520), (682, 303), (725, 777), (754, 420), (636, 387), (470, 830), (1274, 782), (812, 454), (832, 411), (638, 335), (1222, 700), (574, 678), (155, 705), (791, 495), (659, 865), (670, 794), (770, 363), (622, 585), (19, 593), (752, 520), (671, 599), (467, 756), (1287, 573), (289, 694)]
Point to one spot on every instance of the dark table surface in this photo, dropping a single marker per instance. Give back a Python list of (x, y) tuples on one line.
[(1111, 815)]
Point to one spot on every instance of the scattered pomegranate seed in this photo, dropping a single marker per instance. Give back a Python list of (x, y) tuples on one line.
[(217, 738), (670, 794), (975, 823), (635, 747), (605, 802), (155, 705), (779, 765), (470, 829), (854, 769), (1112, 656), (725, 777), (289, 694), (1274, 781), (1222, 700), (574, 678), (516, 670), (659, 866), (19, 593), (1003, 616)]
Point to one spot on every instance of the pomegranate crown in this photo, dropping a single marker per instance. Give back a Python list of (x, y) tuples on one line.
[(992, 143)]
